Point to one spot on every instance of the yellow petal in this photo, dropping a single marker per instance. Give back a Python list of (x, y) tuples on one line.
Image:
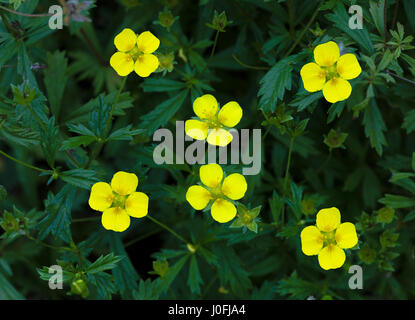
[(122, 63), (311, 240), (230, 114), (101, 196), (136, 205), (328, 219), (234, 186), (219, 137), (205, 107), (196, 129), (115, 219), (125, 40), (124, 183), (326, 54), (146, 64), (331, 257), (211, 175), (198, 197), (147, 42), (313, 77), (346, 236), (348, 67), (223, 211), (337, 89)]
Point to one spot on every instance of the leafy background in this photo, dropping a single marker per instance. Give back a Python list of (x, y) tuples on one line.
[(56, 95)]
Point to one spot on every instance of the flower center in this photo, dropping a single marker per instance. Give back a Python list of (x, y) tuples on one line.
[(119, 201), (329, 238), (331, 72), (135, 53)]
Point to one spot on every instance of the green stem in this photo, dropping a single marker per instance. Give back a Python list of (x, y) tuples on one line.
[(399, 77), (99, 145), (297, 41), (8, 26), (26, 14), (85, 219), (291, 17), (24, 163), (246, 65), (144, 236), (287, 170), (214, 44), (168, 229)]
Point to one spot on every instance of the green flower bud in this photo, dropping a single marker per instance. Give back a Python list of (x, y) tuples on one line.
[(166, 19), (191, 248), (335, 139), (166, 62), (80, 287), (161, 267), (366, 254), (219, 22), (388, 238), (9, 223), (385, 215), (308, 206)]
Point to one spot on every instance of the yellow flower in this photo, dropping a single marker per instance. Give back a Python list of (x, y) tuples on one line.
[(328, 239), (221, 193), (119, 201), (135, 53), (330, 72), (212, 122)]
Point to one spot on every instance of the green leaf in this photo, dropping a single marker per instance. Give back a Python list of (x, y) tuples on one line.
[(194, 280), (50, 142), (163, 113), (58, 214), (7, 290), (274, 84), (79, 178), (374, 126), (124, 273), (397, 202), (103, 263), (162, 85), (124, 133), (55, 80), (340, 18)]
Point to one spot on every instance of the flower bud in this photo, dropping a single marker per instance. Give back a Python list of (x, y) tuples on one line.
[(385, 215), (335, 139), (80, 287)]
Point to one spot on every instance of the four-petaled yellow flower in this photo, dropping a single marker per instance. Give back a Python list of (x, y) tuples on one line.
[(118, 201), (328, 239), (330, 72), (135, 53), (221, 193), (212, 122)]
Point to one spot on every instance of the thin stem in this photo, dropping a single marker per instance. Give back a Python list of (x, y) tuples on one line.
[(24, 163), (297, 41), (287, 171), (399, 77), (385, 19), (246, 65), (26, 14), (214, 44), (145, 236), (291, 17), (92, 48), (85, 219), (167, 228), (8, 26)]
